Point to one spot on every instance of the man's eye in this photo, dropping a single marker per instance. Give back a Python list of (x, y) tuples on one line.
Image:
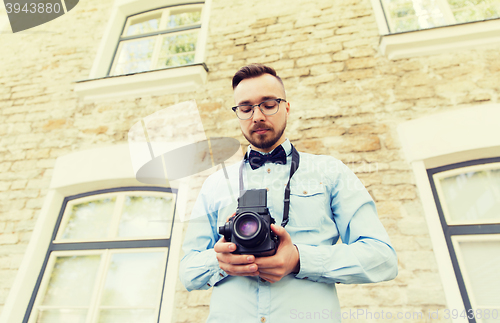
[(270, 105), (245, 109)]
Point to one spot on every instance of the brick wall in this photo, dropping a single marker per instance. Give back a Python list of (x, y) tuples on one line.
[(346, 101)]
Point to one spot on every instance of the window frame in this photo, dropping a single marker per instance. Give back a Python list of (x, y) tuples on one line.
[(451, 230), (465, 134), (436, 40), (123, 38), (100, 86), (103, 168), (57, 246)]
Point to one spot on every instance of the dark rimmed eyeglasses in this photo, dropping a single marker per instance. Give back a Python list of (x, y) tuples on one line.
[(267, 107)]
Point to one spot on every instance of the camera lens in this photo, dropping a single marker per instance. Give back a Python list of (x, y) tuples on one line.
[(247, 227)]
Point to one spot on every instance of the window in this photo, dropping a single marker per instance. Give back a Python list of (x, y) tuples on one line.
[(410, 28), (157, 39), (467, 196), (149, 48), (107, 259), (458, 184), (94, 220), (408, 15)]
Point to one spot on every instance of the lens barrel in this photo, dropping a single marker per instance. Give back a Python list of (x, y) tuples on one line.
[(249, 229)]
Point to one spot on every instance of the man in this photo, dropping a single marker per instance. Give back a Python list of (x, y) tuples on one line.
[(327, 201)]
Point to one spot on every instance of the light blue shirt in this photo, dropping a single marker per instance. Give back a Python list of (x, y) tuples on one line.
[(327, 202)]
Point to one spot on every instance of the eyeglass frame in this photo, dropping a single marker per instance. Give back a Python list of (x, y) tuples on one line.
[(252, 106)]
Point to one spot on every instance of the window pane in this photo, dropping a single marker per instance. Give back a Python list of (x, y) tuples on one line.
[(178, 49), (183, 17), (146, 216), (407, 15), (72, 281), (474, 10), (176, 60), (134, 279), (127, 316), (89, 220), (143, 24), (62, 316), (135, 56), (472, 196), (481, 261)]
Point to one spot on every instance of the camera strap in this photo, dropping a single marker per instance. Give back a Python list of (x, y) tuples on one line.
[(293, 168)]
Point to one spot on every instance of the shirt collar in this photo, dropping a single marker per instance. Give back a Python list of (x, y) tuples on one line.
[(287, 146)]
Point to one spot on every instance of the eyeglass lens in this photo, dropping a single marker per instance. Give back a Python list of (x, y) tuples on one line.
[(267, 107)]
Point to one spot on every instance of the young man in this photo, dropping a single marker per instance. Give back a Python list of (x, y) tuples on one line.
[(327, 201)]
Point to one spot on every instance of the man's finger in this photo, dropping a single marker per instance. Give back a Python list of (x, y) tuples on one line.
[(280, 231), (239, 270), (235, 259), (223, 246), (227, 219)]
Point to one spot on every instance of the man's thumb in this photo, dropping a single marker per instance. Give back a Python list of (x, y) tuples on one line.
[(280, 231)]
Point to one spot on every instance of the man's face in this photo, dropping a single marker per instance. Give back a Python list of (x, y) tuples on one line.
[(263, 132)]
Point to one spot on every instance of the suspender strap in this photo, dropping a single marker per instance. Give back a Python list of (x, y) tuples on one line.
[(293, 167)]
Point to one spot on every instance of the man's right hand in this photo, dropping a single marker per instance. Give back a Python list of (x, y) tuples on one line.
[(233, 264)]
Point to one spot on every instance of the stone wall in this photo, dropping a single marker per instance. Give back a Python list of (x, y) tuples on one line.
[(346, 101)]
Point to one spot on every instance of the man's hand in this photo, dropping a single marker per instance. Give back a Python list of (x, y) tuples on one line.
[(285, 261), (235, 265)]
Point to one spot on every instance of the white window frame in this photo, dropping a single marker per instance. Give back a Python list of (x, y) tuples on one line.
[(77, 173), (435, 40), (101, 87), (464, 134)]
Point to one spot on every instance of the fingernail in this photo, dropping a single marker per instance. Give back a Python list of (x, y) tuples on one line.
[(232, 247), (249, 258), (253, 267)]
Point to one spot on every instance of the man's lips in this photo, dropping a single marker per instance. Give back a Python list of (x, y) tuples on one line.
[(260, 131)]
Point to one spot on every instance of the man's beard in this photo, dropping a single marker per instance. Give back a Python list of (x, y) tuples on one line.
[(262, 143)]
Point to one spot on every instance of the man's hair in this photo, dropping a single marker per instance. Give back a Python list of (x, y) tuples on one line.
[(253, 70)]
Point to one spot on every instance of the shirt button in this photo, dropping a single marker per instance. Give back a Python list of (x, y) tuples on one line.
[(262, 280), (269, 170), (263, 319), (305, 192), (305, 277), (221, 275)]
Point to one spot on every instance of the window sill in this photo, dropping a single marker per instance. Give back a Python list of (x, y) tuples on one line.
[(440, 40), (157, 82)]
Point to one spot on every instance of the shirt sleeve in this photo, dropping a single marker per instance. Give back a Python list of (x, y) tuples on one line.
[(199, 268), (365, 254)]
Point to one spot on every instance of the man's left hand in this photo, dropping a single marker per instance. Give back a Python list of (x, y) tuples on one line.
[(284, 262)]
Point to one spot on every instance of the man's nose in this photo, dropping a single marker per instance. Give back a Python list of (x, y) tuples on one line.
[(258, 115)]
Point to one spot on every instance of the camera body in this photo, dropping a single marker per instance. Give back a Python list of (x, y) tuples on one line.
[(250, 228)]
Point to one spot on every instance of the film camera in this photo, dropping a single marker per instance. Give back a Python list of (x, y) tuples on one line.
[(250, 228)]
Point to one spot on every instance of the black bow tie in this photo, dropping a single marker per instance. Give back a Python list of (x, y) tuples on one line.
[(256, 159)]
